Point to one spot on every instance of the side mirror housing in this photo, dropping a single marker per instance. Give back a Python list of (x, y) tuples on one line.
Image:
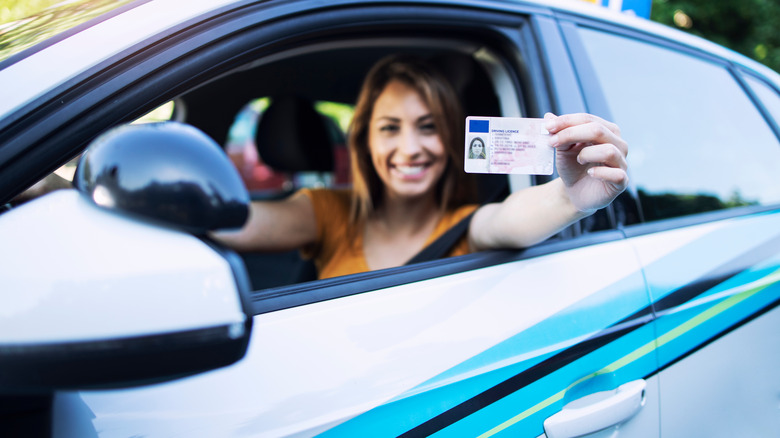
[(108, 287), (168, 172)]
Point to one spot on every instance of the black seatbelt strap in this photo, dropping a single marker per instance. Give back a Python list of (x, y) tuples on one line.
[(442, 246)]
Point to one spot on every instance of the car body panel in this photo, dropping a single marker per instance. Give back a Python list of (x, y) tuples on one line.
[(404, 334), (705, 314), (743, 364)]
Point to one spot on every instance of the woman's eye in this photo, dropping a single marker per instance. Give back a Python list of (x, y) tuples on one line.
[(428, 128), (388, 129)]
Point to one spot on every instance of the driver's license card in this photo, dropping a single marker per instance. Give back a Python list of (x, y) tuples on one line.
[(508, 145)]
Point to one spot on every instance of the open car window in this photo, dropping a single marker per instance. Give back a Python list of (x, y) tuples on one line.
[(252, 109), (284, 121)]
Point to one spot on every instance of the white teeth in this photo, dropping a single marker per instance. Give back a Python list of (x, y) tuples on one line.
[(410, 170)]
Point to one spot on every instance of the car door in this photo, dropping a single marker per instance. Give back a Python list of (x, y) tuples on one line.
[(704, 163), (496, 343), (487, 351)]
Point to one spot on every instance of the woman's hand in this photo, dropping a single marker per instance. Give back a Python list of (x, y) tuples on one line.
[(591, 160), (590, 157)]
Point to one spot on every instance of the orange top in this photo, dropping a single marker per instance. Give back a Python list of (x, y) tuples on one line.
[(335, 255)]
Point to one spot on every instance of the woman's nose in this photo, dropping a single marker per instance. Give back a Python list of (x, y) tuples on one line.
[(410, 143)]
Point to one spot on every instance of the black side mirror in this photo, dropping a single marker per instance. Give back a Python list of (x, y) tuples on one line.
[(167, 172)]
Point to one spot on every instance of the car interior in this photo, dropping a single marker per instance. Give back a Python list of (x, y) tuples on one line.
[(308, 148)]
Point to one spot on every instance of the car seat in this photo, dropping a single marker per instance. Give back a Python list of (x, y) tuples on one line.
[(291, 137)]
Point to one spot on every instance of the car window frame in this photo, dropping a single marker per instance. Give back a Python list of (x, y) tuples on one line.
[(742, 73), (285, 297)]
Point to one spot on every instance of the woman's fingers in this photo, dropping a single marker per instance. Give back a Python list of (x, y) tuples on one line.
[(611, 175), (589, 133), (557, 123), (572, 129), (607, 154), (594, 142)]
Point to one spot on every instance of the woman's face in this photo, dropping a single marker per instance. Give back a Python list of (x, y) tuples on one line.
[(476, 147), (404, 143)]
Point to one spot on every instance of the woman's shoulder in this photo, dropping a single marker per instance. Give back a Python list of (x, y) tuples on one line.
[(328, 194), (328, 201), (455, 215), (331, 211)]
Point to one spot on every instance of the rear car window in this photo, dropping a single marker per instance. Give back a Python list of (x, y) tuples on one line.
[(697, 141)]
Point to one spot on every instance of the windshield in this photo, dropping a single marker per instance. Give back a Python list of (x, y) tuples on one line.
[(25, 23)]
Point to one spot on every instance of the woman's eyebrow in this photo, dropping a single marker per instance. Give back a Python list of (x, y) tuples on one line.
[(421, 119), (424, 118)]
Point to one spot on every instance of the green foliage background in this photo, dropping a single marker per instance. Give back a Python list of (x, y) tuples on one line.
[(745, 26), (11, 10), (24, 23)]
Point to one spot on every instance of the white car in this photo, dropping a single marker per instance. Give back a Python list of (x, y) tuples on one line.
[(118, 318)]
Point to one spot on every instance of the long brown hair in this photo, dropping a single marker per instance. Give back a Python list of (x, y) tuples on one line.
[(453, 189)]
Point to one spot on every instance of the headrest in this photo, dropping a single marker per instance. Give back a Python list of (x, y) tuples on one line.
[(293, 137)]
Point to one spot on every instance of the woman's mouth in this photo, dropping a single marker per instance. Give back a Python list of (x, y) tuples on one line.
[(411, 170)]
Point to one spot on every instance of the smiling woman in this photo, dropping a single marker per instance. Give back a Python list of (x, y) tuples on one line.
[(406, 101), (406, 162), (409, 186)]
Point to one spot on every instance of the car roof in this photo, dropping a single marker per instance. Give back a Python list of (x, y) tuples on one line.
[(146, 21)]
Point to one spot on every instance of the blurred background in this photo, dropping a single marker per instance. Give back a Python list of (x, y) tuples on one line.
[(746, 26)]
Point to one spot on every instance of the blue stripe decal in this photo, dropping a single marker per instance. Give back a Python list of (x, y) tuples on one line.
[(509, 358), (625, 297), (681, 345), (701, 255), (554, 386)]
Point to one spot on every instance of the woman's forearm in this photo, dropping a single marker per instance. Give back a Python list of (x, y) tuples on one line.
[(524, 218)]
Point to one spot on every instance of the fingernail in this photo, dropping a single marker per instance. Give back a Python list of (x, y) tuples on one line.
[(553, 140), (590, 171)]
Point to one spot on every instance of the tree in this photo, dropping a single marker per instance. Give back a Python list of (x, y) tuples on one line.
[(745, 26)]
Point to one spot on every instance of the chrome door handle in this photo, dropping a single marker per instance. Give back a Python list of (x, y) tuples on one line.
[(627, 400)]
